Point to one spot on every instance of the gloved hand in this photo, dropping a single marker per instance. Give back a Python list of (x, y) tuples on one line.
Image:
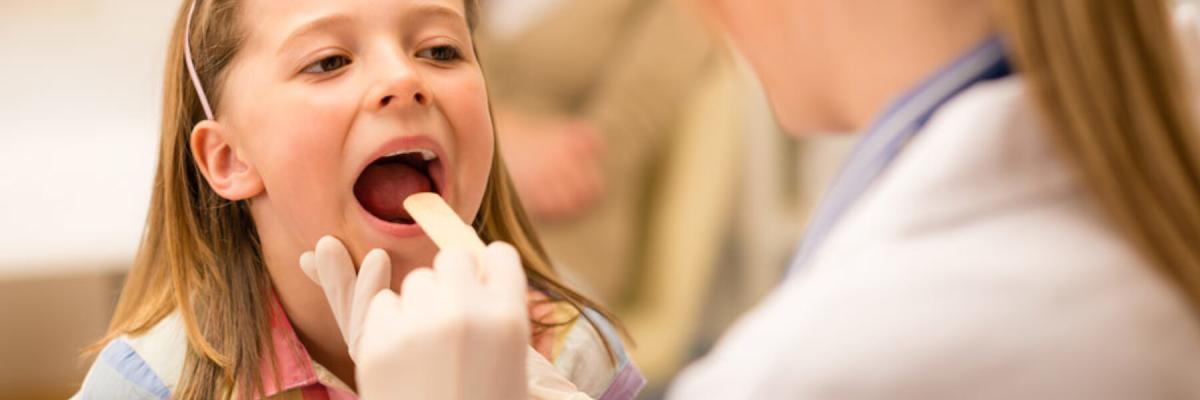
[(347, 292), (454, 333)]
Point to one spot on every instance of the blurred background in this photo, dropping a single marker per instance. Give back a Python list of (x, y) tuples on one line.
[(638, 142)]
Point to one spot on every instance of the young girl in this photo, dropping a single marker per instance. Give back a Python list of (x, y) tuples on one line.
[(287, 121)]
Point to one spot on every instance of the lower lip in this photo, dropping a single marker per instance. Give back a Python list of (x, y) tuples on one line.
[(397, 230)]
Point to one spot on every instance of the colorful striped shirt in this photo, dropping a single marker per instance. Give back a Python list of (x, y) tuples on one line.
[(148, 366)]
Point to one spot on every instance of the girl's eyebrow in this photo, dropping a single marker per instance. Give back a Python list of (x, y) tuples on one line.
[(423, 10), (433, 10), (316, 25)]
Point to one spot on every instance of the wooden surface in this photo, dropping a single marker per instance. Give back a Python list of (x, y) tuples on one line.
[(44, 325)]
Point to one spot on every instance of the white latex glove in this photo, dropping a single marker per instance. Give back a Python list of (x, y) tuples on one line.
[(455, 333), (347, 292)]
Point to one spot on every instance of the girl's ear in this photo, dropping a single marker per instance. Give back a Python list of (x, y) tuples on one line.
[(221, 164)]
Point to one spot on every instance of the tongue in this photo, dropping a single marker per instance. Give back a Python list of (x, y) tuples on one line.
[(383, 187)]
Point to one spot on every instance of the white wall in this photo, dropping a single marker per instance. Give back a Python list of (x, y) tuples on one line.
[(79, 83)]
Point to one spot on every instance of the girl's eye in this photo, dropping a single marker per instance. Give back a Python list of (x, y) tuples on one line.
[(327, 64), (440, 53)]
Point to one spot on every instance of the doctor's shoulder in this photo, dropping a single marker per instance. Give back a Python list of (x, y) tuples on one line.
[(1046, 301), (920, 322), (1015, 285), (144, 366)]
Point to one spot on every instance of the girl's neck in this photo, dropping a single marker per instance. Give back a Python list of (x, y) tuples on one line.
[(311, 318), (334, 358)]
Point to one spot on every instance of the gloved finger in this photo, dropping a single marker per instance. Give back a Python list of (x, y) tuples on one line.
[(308, 264), (336, 272), (379, 323), (420, 299), (456, 268), (502, 271), (374, 275), (381, 314), (418, 286)]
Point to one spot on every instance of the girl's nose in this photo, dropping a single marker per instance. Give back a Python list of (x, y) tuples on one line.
[(418, 98), (404, 89)]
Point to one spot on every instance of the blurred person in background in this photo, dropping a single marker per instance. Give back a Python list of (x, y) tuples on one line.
[(586, 104), (607, 112), (650, 162)]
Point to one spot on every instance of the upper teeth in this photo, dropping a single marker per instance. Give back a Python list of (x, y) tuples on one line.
[(426, 154)]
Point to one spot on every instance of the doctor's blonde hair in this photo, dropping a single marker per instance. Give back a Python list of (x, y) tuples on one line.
[(200, 253), (1109, 77)]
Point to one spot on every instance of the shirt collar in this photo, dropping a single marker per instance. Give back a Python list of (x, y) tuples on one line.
[(887, 136), (296, 369)]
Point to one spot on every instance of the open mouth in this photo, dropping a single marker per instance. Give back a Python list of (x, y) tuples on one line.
[(386, 182)]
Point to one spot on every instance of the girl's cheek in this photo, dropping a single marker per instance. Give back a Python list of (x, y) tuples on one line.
[(471, 121), (306, 135), (469, 113), (311, 125)]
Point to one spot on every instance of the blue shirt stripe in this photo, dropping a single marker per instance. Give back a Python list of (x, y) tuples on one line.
[(125, 361)]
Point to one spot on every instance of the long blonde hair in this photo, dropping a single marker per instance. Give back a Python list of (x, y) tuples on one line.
[(1109, 77), (200, 254)]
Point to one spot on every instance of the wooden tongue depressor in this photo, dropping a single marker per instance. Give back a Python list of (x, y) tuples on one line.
[(441, 224)]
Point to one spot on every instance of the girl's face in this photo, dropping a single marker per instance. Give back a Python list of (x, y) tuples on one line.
[(344, 108)]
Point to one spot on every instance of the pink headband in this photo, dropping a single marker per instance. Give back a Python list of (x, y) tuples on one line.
[(187, 57)]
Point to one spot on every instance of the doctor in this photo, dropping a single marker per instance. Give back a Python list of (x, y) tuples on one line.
[(1021, 218)]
